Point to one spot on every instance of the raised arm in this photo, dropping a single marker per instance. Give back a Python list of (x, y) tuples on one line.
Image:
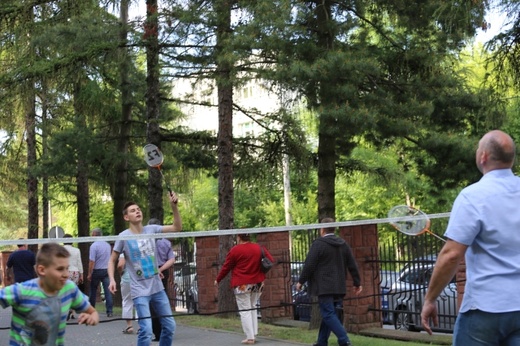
[(177, 222)]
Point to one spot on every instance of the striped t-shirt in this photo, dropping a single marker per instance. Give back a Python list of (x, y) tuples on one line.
[(40, 319)]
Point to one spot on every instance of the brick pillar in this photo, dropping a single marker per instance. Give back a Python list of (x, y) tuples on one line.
[(362, 239), (207, 270), (3, 268), (275, 282)]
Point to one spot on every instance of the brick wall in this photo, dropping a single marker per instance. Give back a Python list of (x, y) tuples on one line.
[(363, 239), (3, 268), (207, 270), (274, 290)]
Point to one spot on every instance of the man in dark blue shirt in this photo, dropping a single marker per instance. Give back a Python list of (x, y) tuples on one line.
[(21, 263)]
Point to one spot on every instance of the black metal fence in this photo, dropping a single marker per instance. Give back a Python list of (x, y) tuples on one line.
[(182, 279), (402, 265)]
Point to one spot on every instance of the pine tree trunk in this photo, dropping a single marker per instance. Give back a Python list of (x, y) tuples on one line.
[(46, 208), (226, 300), (32, 180), (120, 190), (155, 191), (327, 140), (82, 187)]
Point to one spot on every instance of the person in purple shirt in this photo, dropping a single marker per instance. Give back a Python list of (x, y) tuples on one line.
[(21, 264), (99, 255)]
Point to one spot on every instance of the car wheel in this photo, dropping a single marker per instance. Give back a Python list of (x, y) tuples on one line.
[(191, 305), (403, 321)]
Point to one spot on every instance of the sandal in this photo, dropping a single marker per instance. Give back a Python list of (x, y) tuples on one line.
[(128, 330), (248, 342)]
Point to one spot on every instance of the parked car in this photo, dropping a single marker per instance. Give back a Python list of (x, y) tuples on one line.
[(183, 277), (387, 277), (301, 299), (406, 298), (301, 305), (296, 269), (192, 297)]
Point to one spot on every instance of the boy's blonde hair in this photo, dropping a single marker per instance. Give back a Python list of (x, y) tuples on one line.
[(48, 252)]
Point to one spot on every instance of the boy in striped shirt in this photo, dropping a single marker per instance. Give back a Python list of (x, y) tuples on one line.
[(40, 306)]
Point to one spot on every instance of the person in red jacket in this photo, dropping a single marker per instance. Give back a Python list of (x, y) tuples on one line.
[(247, 281)]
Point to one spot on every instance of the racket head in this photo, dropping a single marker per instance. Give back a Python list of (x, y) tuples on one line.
[(153, 155), (418, 225)]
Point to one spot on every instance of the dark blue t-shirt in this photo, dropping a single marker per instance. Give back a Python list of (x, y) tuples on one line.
[(22, 262)]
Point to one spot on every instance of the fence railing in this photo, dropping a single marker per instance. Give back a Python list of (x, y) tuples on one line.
[(402, 265)]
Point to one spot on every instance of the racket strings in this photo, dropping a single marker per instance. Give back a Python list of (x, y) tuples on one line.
[(416, 226), (154, 158), (410, 227)]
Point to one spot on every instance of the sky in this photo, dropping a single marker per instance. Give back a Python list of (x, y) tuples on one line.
[(496, 22), (494, 18)]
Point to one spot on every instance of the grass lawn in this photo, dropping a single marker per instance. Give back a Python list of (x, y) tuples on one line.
[(294, 334)]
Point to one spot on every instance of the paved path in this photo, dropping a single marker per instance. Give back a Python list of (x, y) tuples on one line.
[(110, 333)]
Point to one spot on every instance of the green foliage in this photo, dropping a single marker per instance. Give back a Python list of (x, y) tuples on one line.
[(199, 206), (387, 80), (300, 334)]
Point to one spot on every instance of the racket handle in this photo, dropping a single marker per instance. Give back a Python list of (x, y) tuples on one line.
[(437, 236)]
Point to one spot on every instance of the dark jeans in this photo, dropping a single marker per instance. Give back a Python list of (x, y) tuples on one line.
[(330, 321), (479, 328), (100, 275)]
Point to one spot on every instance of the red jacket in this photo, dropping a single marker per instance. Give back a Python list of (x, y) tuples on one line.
[(243, 260)]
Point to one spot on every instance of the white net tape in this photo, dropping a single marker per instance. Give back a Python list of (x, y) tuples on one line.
[(222, 232)]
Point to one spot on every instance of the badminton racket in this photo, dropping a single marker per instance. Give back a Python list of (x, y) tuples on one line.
[(410, 221), (154, 158)]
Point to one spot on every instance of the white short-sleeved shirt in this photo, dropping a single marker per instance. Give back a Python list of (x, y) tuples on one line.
[(486, 217), (75, 264), (141, 262)]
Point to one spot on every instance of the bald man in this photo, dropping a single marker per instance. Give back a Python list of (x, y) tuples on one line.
[(484, 228)]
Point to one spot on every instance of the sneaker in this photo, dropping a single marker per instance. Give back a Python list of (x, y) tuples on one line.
[(109, 314)]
